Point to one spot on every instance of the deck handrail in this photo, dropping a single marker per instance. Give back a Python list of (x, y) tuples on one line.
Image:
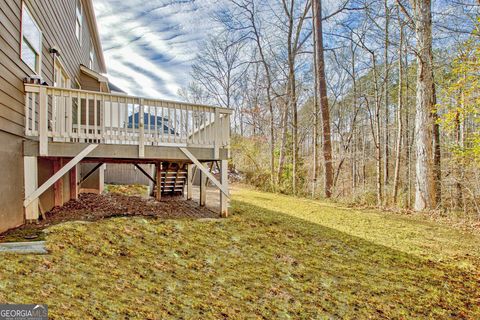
[(75, 115)]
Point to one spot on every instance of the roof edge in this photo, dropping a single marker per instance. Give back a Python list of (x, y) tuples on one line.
[(94, 74), (92, 21)]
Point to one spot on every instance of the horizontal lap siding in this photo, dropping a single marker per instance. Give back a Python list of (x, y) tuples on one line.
[(56, 19), (88, 83), (11, 70)]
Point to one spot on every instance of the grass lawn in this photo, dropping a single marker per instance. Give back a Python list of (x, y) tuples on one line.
[(276, 257)]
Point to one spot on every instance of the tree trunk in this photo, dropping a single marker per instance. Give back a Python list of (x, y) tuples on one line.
[(424, 120), (458, 169), (281, 159), (396, 177), (378, 142), (322, 94), (315, 114), (437, 155), (293, 101), (408, 139), (385, 88), (354, 105)]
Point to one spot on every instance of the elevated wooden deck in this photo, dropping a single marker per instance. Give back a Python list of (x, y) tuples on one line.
[(70, 127)]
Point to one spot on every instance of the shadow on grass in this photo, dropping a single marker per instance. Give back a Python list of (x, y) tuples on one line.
[(258, 264), (355, 276)]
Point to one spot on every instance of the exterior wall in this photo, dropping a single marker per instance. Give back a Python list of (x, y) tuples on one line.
[(125, 173), (56, 19), (11, 188), (95, 182), (88, 83)]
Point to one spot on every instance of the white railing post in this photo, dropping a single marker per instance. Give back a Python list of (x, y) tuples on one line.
[(43, 119), (174, 122), (69, 126), (27, 112), (216, 134), (141, 127), (227, 129)]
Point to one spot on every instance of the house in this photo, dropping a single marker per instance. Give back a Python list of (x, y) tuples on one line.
[(61, 120)]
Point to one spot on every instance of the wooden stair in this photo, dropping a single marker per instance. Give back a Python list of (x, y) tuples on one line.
[(173, 179)]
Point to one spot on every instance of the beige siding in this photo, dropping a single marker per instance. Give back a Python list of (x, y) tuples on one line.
[(11, 190), (88, 83), (56, 19), (123, 173)]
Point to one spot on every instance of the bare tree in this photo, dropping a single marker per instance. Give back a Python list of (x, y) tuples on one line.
[(220, 69), (425, 104), (245, 20), (295, 41), (323, 99), (396, 177), (386, 163)]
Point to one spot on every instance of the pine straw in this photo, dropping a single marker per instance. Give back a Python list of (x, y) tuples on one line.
[(93, 207), (277, 257)]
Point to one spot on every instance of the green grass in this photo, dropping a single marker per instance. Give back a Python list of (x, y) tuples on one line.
[(128, 190), (276, 257)]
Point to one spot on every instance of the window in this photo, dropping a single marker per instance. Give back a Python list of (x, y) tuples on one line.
[(60, 77), (92, 55), (31, 41), (79, 21)]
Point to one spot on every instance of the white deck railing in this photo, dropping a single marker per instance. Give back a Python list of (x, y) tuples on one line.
[(71, 115)]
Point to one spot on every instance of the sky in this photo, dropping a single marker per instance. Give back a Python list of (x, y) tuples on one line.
[(149, 46)]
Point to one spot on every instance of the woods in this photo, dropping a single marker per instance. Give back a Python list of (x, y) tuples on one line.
[(369, 102)]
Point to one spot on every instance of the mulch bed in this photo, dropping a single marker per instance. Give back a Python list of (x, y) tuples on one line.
[(93, 207)]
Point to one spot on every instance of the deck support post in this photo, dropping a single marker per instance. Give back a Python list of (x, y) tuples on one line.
[(73, 183), (204, 170), (32, 196), (224, 182), (203, 188), (58, 185), (158, 185), (189, 181), (30, 172)]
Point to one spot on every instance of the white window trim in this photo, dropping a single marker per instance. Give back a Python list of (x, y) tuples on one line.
[(39, 72), (79, 21)]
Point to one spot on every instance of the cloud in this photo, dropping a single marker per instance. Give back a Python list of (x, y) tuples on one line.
[(149, 46)]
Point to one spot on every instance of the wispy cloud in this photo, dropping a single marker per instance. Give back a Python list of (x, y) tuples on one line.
[(149, 45)]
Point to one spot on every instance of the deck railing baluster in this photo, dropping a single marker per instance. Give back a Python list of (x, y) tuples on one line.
[(116, 119)]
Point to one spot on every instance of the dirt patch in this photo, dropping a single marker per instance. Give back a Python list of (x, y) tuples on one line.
[(92, 207)]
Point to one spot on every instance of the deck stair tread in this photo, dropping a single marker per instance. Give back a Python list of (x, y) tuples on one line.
[(173, 178)]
